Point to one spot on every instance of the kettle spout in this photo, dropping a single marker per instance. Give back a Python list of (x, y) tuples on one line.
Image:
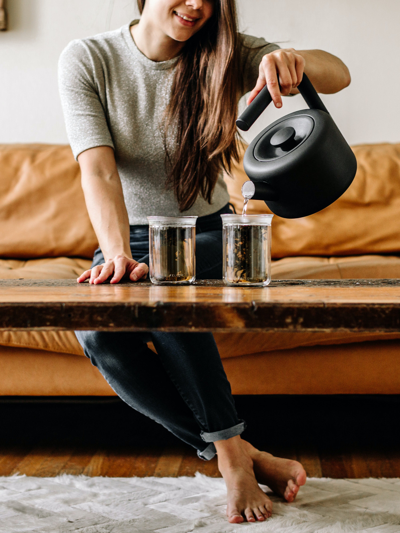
[(259, 190)]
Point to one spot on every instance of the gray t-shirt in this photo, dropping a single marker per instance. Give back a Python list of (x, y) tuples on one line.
[(113, 95)]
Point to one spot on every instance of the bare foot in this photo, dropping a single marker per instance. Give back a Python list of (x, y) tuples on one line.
[(283, 476), (245, 498)]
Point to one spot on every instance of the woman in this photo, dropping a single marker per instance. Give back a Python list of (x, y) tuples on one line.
[(150, 112)]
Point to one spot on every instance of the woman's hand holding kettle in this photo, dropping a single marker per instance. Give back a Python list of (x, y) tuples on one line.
[(282, 70)]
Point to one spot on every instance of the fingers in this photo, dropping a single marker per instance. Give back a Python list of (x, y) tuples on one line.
[(83, 277), (271, 76), (117, 268), (281, 71), (284, 67), (100, 273), (300, 65), (140, 271), (259, 86), (119, 271)]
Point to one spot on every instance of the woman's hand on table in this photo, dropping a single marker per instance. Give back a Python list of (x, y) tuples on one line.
[(121, 267), (282, 70)]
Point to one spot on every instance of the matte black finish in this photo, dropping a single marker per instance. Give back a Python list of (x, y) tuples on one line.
[(254, 110), (301, 163), (262, 190), (283, 137), (263, 99)]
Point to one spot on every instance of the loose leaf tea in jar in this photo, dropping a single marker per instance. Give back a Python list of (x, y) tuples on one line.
[(247, 249), (172, 249)]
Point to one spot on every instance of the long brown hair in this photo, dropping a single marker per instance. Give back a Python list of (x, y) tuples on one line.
[(202, 110)]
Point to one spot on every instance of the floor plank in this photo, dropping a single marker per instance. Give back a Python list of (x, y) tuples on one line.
[(311, 461), (191, 464), (77, 462), (96, 464), (32, 461), (11, 457), (53, 463), (169, 462), (331, 436), (145, 462)]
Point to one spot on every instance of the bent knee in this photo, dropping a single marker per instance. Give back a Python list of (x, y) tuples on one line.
[(91, 340), (95, 344), (110, 347)]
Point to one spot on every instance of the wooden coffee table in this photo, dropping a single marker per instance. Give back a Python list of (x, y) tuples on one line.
[(295, 305)]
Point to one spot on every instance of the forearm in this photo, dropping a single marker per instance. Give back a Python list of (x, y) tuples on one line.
[(327, 72), (107, 212)]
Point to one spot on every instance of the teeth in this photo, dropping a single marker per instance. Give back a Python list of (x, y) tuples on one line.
[(184, 18)]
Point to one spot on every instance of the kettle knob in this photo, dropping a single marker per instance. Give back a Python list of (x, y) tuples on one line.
[(283, 138)]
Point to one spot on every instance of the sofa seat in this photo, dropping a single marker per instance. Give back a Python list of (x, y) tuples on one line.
[(346, 267), (46, 268), (355, 368)]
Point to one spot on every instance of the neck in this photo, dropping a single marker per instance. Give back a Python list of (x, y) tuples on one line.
[(154, 43)]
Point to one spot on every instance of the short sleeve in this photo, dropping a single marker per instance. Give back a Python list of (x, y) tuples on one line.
[(252, 51), (82, 99)]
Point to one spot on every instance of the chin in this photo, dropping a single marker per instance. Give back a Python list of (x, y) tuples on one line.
[(181, 39), (180, 36)]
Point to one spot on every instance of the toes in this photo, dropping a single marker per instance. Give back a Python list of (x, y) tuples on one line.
[(235, 517), (289, 495), (291, 491), (249, 515), (258, 514), (293, 487), (301, 478), (267, 509)]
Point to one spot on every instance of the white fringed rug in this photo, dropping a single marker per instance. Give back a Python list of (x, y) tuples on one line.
[(181, 505)]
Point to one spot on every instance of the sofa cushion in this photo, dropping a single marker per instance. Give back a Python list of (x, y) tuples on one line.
[(364, 368), (363, 221), (365, 266), (229, 344), (47, 268), (40, 373), (42, 207), (40, 187), (367, 368), (352, 267)]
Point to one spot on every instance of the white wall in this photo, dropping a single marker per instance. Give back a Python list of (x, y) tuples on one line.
[(363, 33)]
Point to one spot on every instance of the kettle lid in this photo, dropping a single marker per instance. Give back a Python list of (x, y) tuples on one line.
[(283, 137)]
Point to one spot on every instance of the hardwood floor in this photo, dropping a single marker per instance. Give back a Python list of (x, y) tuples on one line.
[(341, 436)]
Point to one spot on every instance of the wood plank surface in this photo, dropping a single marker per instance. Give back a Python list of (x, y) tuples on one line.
[(169, 462), (294, 305), (339, 437)]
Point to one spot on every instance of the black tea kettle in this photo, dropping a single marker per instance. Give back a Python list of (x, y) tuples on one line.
[(300, 163)]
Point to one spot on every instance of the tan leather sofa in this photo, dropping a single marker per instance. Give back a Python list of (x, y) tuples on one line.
[(46, 233)]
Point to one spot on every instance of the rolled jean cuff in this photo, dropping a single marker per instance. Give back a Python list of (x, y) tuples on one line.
[(208, 453), (224, 434)]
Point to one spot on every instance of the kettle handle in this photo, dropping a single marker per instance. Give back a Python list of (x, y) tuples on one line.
[(263, 99)]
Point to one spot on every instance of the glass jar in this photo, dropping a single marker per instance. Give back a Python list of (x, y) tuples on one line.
[(172, 246), (246, 244)]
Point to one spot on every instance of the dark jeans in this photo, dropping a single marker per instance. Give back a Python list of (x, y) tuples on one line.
[(183, 386)]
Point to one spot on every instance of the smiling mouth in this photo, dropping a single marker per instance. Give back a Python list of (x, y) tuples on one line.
[(185, 17)]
